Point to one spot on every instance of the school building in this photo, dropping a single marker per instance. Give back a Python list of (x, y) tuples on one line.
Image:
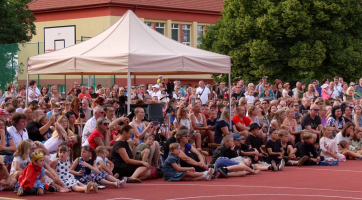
[(181, 20)]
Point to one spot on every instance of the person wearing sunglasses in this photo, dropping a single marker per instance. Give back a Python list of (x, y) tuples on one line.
[(100, 136), (12, 89), (311, 121)]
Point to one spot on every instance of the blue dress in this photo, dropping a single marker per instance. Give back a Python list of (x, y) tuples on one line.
[(63, 171), (170, 173), (88, 174)]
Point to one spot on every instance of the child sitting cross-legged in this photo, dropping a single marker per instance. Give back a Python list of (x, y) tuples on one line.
[(245, 150), (254, 141), (21, 160), (275, 150), (172, 171), (31, 180), (356, 141), (329, 146), (307, 151), (102, 162), (144, 149)]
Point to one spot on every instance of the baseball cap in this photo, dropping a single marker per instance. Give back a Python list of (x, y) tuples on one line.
[(324, 86), (156, 86), (296, 115), (237, 137)]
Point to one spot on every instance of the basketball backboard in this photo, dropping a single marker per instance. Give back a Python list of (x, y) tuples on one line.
[(58, 37)]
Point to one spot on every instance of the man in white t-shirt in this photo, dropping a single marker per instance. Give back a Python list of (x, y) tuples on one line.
[(203, 92), (156, 91)]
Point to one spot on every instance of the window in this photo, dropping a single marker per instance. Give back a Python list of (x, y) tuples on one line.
[(175, 32), (160, 27), (186, 34), (150, 24), (200, 32)]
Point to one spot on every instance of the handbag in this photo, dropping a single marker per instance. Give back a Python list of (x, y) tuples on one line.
[(6, 152)]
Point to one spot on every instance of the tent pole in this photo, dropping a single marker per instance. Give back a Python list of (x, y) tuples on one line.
[(27, 88), (129, 92), (230, 124)]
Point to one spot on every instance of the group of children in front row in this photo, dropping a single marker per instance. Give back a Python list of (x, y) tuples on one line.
[(32, 175), (280, 152)]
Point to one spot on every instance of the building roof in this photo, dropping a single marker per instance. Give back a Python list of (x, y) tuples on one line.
[(201, 5)]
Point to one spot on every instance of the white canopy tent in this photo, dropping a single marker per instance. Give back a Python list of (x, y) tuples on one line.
[(129, 47)]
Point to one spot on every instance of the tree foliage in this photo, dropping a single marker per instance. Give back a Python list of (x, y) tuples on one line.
[(16, 26), (289, 39)]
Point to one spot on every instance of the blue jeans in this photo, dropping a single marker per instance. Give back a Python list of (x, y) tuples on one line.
[(224, 162)]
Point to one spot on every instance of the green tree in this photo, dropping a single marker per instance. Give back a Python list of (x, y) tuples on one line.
[(16, 26), (289, 39)]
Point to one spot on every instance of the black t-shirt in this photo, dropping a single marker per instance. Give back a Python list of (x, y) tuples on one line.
[(275, 146), (255, 142), (308, 121), (220, 123), (167, 146), (286, 148), (301, 108), (94, 95), (33, 131), (210, 123), (347, 120), (122, 99), (237, 96), (116, 158), (78, 91)]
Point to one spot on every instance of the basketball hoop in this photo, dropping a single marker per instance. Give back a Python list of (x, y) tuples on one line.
[(49, 50)]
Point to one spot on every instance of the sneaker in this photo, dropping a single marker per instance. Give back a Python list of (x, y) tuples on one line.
[(224, 172), (281, 165), (52, 188), (289, 164), (302, 161), (116, 176), (274, 166), (101, 187), (359, 158), (20, 191), (210, 172), (124, 182)]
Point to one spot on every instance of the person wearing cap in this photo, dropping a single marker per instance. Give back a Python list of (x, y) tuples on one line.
[(254, 141), (18, 131), (325, 89), (156, 91)]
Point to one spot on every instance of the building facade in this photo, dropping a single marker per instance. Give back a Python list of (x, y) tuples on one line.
[(181, 20)]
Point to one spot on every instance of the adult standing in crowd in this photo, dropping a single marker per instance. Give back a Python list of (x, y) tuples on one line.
[(223, 89), (12, 90), (18, 131), (83, 93), (92, 93), (76, 86), (33, 91), (203, 92)]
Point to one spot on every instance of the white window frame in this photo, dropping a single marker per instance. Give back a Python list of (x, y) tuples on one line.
[(158, 26), (178, 31), (186, 27), (149, 23)]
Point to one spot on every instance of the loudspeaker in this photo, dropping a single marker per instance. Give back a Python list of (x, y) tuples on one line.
[(155, 112)]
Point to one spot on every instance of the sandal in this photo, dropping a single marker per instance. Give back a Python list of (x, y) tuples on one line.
[(133, 180)]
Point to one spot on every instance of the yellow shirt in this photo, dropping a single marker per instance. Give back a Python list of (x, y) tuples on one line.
[(55, 134)]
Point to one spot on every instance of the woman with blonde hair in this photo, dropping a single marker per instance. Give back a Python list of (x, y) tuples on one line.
[(349, 96), (54, 93), (278, 119), (184, 120), (292, 125), (319, 101)]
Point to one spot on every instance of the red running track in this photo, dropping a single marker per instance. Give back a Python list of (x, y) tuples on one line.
[(296, 183)]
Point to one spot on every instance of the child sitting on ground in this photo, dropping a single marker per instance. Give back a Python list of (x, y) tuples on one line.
[(173, 172), (31, 180), (349, 151), (62, 166), (329, 146), (356, 141), (21, 160), (254, 141), (85, 170), (144, 149), (5, 182), (275, 150), (102, 162), (289, 150), (203, 153), (244, 150), (307, 149)]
